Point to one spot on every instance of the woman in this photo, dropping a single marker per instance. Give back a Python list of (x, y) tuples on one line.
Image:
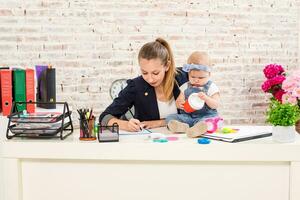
[(152, 94)]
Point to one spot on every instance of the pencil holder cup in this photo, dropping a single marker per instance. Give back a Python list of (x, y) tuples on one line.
[(108, 133), (193, 103), (86, 129)]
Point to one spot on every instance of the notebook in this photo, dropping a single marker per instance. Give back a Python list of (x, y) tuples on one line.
[(244, 133)]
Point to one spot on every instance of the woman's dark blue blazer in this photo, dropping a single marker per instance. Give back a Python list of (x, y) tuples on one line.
[(141, 95)]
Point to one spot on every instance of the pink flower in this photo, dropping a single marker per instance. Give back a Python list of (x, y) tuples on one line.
[(266, 86), (278, 95), (285, 89), (273, 70), (273, 84), (292, 87), (296, 93), (287, 98), (277, 80), (289, 84)]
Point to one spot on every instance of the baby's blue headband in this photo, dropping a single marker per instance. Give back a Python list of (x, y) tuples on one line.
[(189, 67)]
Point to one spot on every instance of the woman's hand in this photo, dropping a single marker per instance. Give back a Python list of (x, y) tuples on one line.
[(180, 101), (148, 124), (153, 124), (134, 125)]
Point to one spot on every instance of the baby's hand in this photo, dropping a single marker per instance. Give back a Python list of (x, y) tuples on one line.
[(202, 95), (180, 101)]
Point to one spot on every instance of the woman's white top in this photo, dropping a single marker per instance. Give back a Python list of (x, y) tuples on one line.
[(166, 108)]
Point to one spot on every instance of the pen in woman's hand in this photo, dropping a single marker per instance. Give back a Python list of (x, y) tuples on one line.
[(130, 112), (134, 125), (144, 130)]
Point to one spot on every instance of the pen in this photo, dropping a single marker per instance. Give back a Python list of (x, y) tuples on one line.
[(145, 130), (91, 114), (141, 128), (130, 112)]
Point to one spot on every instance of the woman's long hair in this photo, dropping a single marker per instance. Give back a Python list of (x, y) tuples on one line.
[(161, 49)]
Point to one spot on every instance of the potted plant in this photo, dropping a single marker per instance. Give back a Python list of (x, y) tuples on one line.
[(283, 87), (283, 117)]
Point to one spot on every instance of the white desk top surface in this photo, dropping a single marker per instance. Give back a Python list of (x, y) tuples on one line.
[(140, 147)]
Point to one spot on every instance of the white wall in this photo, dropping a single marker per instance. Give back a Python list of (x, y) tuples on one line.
[(93, 42)]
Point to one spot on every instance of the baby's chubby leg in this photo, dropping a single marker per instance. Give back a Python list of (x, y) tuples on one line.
[(198, 128), (205, 124), (178, 123)]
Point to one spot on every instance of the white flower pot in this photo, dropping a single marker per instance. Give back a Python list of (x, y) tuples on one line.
[(283, 134)]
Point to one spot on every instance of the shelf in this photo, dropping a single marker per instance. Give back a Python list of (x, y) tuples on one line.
[(39, 117), (40, 124)]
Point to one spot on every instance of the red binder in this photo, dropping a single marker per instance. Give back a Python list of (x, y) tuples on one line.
[(30, 93), (1, 68), (6, 91)]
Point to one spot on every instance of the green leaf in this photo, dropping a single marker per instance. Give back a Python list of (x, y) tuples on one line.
[(280, 114)]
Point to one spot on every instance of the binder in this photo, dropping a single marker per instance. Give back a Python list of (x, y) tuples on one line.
[(6, 91), (50, 87), (19, 94), (30, 93), (46, 89), (1, 68), (38, 70)]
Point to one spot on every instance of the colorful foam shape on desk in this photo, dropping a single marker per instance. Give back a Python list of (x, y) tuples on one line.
[(227, 130), (172, 138), (203, 141), (160, 140)]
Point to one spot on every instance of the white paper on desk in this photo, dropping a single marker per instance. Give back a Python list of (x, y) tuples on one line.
[(143, 132), (245, 132)]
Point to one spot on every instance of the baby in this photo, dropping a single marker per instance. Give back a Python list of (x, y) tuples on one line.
[(193, 123)]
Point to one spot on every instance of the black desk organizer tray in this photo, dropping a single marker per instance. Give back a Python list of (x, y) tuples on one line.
[(42, 124)]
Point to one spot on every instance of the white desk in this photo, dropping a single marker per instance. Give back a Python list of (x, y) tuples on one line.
[(136, 168)]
